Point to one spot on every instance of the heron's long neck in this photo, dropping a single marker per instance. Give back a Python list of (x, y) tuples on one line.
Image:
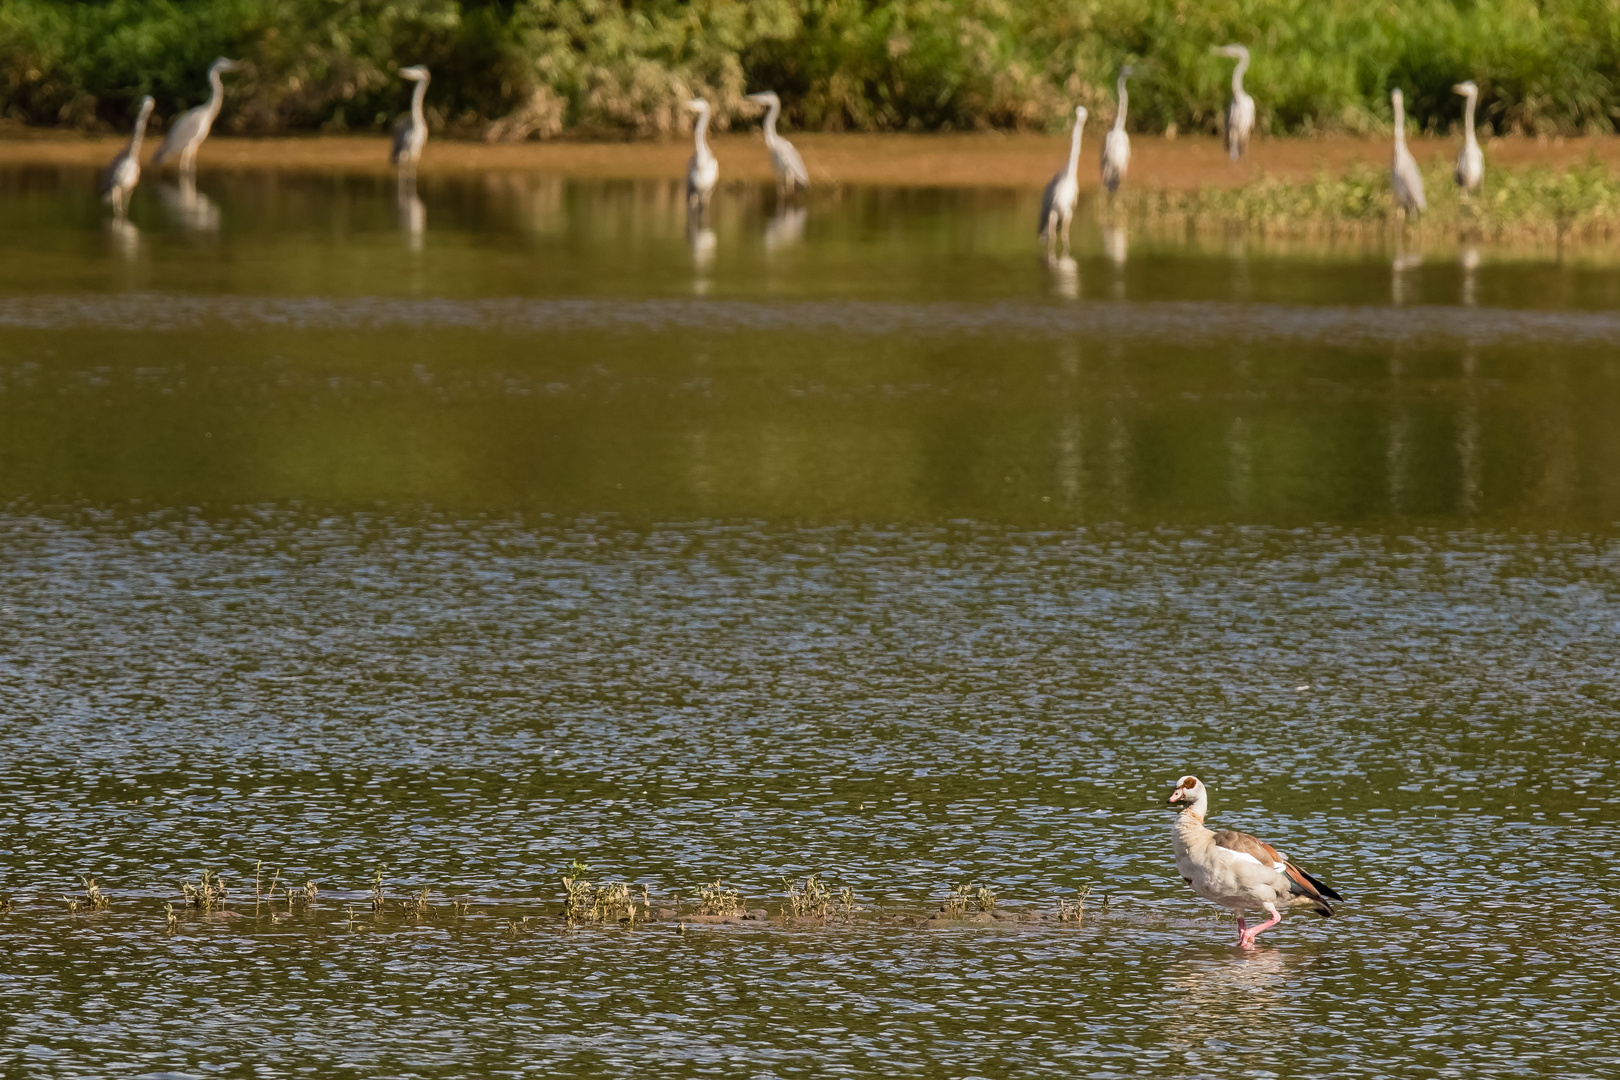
[(771, 112), (216, 97), (1237, 76), (1074, 150), (1468, 122), (1119, 118), (417, 119), (700, 136), (139, 134), (1400, 124)]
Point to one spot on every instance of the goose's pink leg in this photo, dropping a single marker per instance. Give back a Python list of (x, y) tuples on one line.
[(1243, 929), (1246, 937)]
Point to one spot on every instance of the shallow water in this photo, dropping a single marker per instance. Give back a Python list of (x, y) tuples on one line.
[(884, 552)]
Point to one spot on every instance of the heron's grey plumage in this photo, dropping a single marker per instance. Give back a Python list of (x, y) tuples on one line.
[(1405, 181), (1471, 161), (786, 164), (702, 171), (121, 175), (1057, 202), (1240, 110), (1116, 151), (191, 127), (411, 134)]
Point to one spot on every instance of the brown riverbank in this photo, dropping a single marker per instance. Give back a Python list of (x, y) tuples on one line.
[(998, 160)]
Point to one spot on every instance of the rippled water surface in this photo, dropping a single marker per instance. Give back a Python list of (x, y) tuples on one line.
[(439, 546)]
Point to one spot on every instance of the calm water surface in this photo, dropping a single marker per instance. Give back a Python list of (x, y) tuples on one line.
[(456, 541)]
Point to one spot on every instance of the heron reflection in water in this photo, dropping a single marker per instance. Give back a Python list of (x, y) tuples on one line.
[(191, 127), (1400, 267), (1115, 243), (1065, 276), (194, 211), (121, 175), (1468, 259), (411, 210), (785, 228), (702, 240), (125, 237), (1116, 246)]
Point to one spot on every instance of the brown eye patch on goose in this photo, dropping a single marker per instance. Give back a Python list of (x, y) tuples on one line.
[(1190, 782)]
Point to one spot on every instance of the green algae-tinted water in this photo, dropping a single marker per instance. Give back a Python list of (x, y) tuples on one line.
[(863, 544)]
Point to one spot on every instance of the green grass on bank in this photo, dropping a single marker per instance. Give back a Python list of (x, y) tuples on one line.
[(1517, 205), (520, 68)]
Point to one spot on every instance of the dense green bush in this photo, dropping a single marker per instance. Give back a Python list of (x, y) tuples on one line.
[(603, 66)]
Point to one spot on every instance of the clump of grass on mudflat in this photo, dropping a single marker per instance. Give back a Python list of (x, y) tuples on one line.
[(610, 902), (815, 900), (963, 899), (94, 898), (1519, 204), (206, 892), (1073, 910), (719, 899)]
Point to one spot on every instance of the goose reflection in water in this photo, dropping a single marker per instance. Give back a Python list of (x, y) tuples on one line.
[(1211, 990), (190, 208), (412, 212), (785, 228)]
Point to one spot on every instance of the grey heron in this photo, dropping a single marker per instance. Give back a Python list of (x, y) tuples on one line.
[(1240, 111), (1405, 181), (1057, 202), (702, 170), (191, 127), (786, 163), (124, 172), (1471, 162), (411, 134), (1116, 153)]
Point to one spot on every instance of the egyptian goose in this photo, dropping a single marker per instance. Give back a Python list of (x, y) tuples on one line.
[(1237, 871)]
